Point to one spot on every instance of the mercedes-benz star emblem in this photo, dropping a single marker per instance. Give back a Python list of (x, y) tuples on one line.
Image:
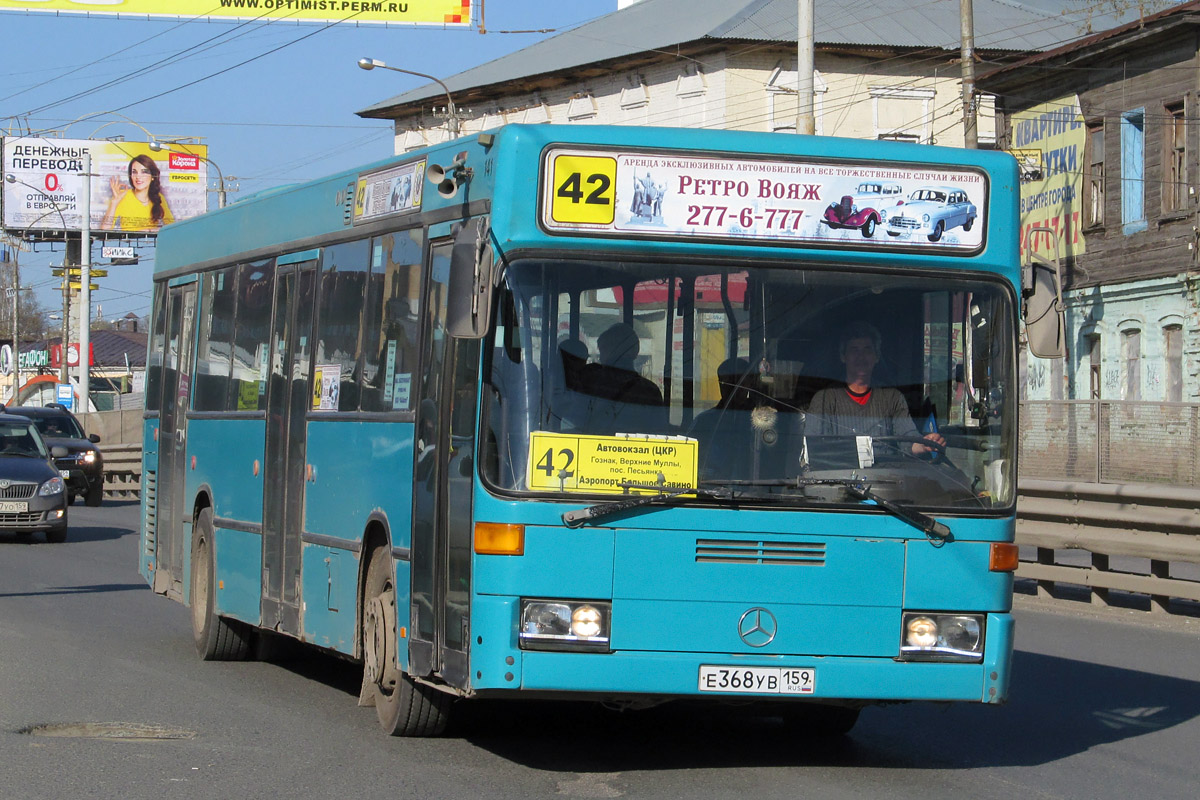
[(758, 627)]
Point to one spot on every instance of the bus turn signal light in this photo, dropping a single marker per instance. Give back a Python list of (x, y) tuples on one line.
[(499, 539), (1005, 557)]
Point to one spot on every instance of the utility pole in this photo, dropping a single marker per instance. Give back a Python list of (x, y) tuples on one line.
[(805, 120), (967, 20), (85, 285), (16, 329), (70, 258)]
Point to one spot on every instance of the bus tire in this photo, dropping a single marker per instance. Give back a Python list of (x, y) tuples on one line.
[(819, 721), (403, 706), (216, 638)]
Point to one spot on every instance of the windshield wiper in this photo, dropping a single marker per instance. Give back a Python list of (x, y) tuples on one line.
[(862, 490), (574, 519)]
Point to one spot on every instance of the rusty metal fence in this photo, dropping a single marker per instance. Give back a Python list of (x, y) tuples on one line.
[(1109, 441)]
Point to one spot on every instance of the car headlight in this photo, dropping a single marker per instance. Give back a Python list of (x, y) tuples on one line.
[(925, 218), (88, 456), (942, 637), (565, 624), (51, 487)]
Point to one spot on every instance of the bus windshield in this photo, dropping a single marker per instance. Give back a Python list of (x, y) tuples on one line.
[(791, 382)]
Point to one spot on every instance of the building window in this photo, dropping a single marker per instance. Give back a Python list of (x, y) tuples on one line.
[(1133, 171), (1131, 361), (902, 113), (1173, 355), (1095, 176), (1175, 160), (1094, 362)]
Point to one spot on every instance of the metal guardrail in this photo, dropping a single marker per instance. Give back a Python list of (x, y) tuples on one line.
[(1117, 528), (122, 470)]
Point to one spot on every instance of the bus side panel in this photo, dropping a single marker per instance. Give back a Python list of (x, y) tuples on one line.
[(330, 588), (221, 454), (225, 453), (359, 469), (238, 557), (149, 488), (954, 577)]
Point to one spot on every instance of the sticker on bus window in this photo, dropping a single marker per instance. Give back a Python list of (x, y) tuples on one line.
[(401, 391), (564, 462), (327, 383), (389, 374)]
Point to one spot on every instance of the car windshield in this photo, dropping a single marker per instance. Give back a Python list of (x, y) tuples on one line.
[(17, 439), (608, 377), (868, 188), (58, 427), (929, 195)]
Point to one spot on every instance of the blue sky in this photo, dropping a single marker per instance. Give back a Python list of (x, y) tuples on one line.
[(285, 116)]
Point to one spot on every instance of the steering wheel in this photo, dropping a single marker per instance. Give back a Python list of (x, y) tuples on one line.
[(914, 438)]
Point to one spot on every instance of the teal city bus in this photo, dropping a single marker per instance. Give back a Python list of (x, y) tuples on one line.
[(568, 412)]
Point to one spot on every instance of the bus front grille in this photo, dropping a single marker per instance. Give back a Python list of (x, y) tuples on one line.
[(737, 551)]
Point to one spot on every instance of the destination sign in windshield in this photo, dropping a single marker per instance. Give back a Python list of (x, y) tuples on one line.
[(564, 462)]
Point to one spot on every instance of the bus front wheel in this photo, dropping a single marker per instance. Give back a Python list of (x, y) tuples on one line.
[(217, 639), (403, 706)]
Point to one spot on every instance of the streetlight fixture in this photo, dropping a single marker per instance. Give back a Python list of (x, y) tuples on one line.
[(159, 147), (452, 124)]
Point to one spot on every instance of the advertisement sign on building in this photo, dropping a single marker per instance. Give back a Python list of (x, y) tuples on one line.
[(442, 13), (1049, 140), (134, 189)]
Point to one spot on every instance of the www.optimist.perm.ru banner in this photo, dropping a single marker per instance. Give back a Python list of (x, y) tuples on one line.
[(409, 12)]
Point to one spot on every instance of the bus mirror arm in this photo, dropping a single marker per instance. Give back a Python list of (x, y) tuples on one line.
[(471, 281)]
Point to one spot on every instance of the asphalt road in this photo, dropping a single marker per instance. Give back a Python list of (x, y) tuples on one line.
[(1103, 706)]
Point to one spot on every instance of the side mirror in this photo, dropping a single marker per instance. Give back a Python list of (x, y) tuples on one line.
[(1045, 316), (58, 451), (469, 306), (94, 438)]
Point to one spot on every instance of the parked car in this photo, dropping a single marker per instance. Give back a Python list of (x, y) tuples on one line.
[(864, 209), (82, 465), (33, 495), (931, 211)]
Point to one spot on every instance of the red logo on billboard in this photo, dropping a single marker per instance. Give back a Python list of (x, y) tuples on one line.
[(184, 161), (72, 355)]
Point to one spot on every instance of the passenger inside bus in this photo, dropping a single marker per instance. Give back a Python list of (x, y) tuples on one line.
[(725, 430), (568, 405), (858, 407), (622, 400)]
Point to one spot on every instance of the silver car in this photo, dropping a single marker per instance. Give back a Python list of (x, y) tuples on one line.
[(931, 211)]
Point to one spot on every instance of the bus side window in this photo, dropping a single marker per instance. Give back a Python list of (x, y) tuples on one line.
[(344, 269), (251, 338), (215, 340), (154, 356), (392, 322)]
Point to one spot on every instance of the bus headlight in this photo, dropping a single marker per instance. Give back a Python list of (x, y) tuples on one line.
[(565, 624), (942, 637)]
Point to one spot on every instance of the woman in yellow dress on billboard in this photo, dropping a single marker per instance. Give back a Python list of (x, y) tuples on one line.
[(140, 205)]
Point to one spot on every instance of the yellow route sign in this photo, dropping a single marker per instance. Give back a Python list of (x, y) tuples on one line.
[(584, 189), (564, 462)]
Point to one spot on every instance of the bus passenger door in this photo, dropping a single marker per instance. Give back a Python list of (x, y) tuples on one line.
[(176, 388), (442, 491), (288, 400)]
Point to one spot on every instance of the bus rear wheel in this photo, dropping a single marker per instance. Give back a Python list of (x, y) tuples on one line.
[(403, 706), (216, 638)]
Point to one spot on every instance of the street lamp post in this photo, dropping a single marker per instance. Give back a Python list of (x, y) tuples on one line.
[(63, 376), (452, 124)]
